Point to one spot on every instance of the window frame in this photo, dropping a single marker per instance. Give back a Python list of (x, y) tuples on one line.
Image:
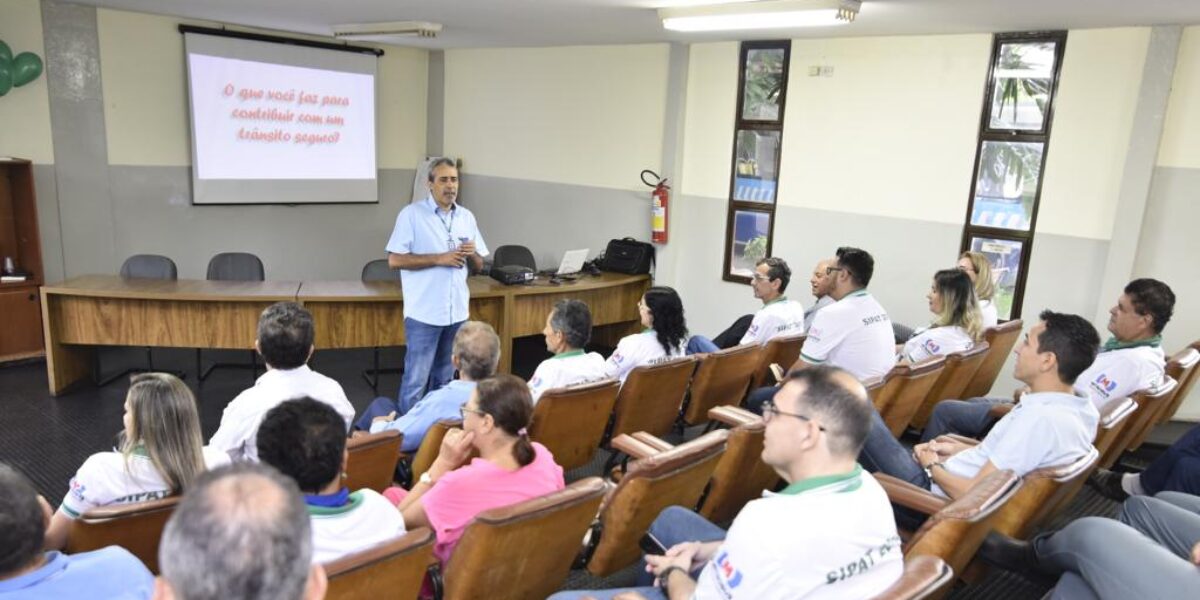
[(988, 134), (740, 124)]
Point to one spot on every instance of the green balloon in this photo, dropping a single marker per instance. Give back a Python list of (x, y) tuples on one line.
[(5, 78), (26, 67), (5, 52)]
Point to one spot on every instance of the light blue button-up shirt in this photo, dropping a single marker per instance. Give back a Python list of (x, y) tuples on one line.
[(435, 295), (439, 405)]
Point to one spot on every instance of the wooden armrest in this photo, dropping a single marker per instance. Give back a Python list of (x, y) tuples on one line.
[(777, 372), (954, 437), (910, 496), (653, 441), (999, 410), (732, 415), (635, 448)]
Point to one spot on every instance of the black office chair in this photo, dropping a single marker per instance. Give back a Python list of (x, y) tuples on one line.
[(233, 266), (378, 270), (513, 255), (140, 266)]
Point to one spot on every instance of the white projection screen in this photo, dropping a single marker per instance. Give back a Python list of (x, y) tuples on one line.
[(275, 123)]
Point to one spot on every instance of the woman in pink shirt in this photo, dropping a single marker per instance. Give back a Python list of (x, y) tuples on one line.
[(510, 468)]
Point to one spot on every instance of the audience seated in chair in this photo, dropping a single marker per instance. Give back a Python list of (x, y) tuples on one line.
[(958, 325), (510, 468), (821, 285), (306, 440), (1151, 550), (778, 315), (829, 533), (664, 338), (1176, 470), (1131, 360), (285, 341), (26, 572), (240, 533), (1052, 426), (568, 329), (475, 355), (854, 333), (977, 267), (161, 453)]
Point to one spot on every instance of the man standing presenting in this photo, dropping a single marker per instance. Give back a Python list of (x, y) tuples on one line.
[(432, 243)]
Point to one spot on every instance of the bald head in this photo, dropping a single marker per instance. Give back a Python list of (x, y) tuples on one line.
[(245, 522), (477, 348), (839, 402), (821, 281)]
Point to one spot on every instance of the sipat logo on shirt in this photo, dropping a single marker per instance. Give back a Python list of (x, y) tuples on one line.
[(1105, 384), (753, 330), (728, 571), (932, 347)]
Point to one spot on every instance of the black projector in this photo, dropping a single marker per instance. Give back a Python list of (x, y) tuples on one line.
[(512, 274)]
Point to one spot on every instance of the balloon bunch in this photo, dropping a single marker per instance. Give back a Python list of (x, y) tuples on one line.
[(16, 71)]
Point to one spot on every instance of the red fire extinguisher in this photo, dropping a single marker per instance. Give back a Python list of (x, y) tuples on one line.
[(658, 202)]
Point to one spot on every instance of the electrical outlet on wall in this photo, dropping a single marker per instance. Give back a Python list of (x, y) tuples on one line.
[(820, 71)]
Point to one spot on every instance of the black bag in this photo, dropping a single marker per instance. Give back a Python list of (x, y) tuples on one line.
[(628, 256)]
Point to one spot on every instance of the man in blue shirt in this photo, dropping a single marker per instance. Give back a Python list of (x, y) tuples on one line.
[(27, 572), (476, 354), (432, 243)]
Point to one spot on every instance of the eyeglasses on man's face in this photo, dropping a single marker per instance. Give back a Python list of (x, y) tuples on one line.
[(831, 270), (770, 411)]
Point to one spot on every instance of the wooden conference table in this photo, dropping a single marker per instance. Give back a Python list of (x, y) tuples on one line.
[(106, 310)]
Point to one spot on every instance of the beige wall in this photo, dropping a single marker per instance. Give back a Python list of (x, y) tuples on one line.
[(1181, 134), (25, 111), (584, 115), (145, 94)]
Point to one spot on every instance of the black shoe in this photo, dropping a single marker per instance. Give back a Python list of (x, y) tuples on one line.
[(1108, 484), (1016, 556)]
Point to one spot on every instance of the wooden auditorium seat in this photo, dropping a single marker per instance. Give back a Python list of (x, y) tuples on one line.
[(722, 378), (1113, 420), (524, 550), (960, 368), (1001, 340), (904, 390), (676, 477), (650, 398), (570, 421), (136, 527), (1148, 402), (924, 577), (371, 460), (430, 446), (393, 569), (1185, 383), (783, 350)]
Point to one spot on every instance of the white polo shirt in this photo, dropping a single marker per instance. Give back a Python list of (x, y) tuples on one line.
[(1045, 429), (238, 433), (811, 313), (991, 317), (1123, 371), (105, 478), (367, 519), (777, 317), (855, 334), (936, 341), (566, 369), (825, 537), (636, 350)]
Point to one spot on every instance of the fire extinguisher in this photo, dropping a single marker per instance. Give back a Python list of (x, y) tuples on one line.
[(658, 202)]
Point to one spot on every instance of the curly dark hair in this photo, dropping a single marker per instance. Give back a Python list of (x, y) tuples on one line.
[(667, 311)]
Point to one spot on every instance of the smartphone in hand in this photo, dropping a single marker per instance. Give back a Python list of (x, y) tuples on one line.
[(651, 545)]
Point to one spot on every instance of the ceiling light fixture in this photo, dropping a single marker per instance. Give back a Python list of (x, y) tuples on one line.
[(766, 14), (369, 31)]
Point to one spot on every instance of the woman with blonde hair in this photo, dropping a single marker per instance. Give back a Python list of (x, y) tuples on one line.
[(161, 452), (959, 324), (977, 267)]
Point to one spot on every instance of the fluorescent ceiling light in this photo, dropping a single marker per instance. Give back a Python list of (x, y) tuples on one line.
[(766, 14), (367, 31)]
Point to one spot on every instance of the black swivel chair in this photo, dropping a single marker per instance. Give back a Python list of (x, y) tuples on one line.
[(378, 270), (233, 266), (141, 266), (513, 255)]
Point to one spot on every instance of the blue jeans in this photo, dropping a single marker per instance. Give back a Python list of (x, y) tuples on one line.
[(1177, 469), (674, 525), (379, 407), (969, 418), (883, 453), (755, 400), (427, 365), (699, 344)]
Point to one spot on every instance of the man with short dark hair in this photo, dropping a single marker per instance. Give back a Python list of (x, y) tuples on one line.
[(568, 329), (778, 316), (828, 534), (431, 244), (285, 341), (28, 573), (475, 356), (306, 440), (1053, 425), (241, 532)]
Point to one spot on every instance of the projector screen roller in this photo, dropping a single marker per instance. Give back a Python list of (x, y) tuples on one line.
[(280, 124)]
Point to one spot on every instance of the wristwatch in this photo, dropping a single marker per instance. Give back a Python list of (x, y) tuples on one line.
[(425, 478), (666, 575)]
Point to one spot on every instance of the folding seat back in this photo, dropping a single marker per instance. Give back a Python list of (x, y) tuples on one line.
[(1001, 340), (904, 390), (372, 460), (650, 398), (570, 421), (1044, 490), (722, 378), (741, 475), (1113, 420), (394, 569), (1188, 359), (783, 350), (960, 368), (1148, 402), (924, 576), (136, 527), (430, 446)]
